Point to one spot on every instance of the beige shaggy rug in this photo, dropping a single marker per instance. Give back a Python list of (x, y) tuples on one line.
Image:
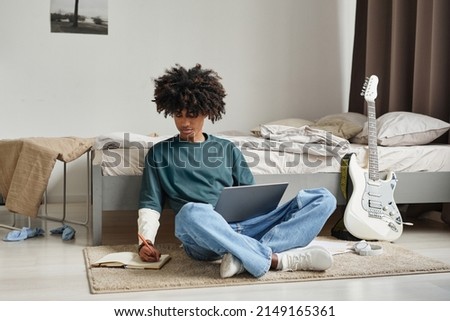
[(183, 272)]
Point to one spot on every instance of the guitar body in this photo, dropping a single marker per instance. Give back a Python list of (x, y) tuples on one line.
[(371, 213)]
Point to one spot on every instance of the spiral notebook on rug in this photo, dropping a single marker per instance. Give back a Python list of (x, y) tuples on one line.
[(238, 203)]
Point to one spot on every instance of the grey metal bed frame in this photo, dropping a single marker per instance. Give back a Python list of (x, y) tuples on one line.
[(121, 193)]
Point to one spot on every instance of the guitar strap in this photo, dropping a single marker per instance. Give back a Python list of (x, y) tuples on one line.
[(339, 230), (344, 175)]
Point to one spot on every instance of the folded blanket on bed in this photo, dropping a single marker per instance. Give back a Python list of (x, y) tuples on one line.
[(26, 165), (303, 140)]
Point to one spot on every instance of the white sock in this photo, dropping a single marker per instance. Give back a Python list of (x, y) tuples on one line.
[(279, 263)]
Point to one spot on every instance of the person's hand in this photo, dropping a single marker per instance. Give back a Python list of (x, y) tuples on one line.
[(149, 253)]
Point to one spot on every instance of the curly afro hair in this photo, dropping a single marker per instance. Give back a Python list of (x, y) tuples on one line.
[(197, 90)]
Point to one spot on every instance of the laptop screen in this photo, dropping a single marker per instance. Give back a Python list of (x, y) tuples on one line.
[(238, 203)]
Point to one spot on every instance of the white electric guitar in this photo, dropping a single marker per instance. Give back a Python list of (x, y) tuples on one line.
[(371, 213)]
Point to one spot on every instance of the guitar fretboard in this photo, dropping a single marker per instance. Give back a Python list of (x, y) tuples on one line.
[(372, 142)]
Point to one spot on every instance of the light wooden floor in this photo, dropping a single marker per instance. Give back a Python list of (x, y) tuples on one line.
[(47, 268)]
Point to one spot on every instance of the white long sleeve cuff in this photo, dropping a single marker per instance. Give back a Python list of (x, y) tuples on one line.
[(148, 223)]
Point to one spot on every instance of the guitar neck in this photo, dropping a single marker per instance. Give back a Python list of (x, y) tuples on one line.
[(372, 142)]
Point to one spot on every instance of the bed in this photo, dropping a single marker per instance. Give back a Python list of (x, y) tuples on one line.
[(305, 153)]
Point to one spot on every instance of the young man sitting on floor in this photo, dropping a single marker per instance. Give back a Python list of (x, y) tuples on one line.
[(191, 169)]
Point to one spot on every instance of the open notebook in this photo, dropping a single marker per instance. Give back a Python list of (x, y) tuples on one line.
[(129, 260)]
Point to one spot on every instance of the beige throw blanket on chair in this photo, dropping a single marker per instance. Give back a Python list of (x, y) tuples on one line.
[(26, 165)]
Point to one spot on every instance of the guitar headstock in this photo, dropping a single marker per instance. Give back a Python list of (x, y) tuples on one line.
[(369, 90)]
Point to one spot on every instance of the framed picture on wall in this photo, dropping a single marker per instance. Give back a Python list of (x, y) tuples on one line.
[(79, 16)]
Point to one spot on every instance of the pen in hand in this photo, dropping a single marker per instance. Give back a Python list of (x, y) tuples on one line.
[(152, 255), (143, 240)]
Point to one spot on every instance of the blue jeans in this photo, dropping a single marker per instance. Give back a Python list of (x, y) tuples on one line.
[(207, 236)]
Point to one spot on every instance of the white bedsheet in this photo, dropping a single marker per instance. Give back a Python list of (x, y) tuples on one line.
[(276, 157)]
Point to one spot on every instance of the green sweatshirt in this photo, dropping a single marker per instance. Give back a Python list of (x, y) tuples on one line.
[(182, 172)]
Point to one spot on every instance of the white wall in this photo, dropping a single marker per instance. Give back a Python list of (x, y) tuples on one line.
[(277, 58)]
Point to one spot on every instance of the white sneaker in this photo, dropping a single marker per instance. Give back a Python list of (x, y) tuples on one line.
[(312, 258), (230, 266)]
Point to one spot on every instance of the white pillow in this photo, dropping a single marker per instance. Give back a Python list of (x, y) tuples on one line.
[(356, 118), (345, 125), (405, 129), (126, 140), (291, 122)]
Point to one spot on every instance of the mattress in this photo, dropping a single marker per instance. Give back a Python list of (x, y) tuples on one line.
[(119, 156)]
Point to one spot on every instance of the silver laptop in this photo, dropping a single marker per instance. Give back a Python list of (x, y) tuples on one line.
[(238, 203)]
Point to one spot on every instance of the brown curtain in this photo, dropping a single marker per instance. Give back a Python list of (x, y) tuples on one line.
[(406, 43)]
